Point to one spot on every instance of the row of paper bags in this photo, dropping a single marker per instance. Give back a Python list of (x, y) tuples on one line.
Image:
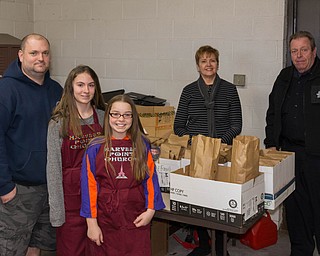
[(205, 153)]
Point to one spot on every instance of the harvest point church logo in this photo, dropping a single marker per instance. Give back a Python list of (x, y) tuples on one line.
[(121, 174)]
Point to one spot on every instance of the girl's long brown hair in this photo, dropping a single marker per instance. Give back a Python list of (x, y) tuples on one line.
[(139, 140), (67, 111)]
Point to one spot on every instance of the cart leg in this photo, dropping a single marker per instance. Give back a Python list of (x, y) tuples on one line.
[(213, 242), (225, 240)]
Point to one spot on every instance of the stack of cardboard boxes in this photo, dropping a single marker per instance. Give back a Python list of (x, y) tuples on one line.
[(156, 120)]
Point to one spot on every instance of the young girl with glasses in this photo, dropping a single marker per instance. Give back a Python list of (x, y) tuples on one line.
[(119, 185)]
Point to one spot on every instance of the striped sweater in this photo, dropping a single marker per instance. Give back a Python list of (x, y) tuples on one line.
[(192, 114)]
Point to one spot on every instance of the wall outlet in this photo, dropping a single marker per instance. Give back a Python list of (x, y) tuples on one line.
[(239, 80)]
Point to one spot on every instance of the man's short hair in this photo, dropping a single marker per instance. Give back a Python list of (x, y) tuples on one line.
[(34, 35), (301, 34)]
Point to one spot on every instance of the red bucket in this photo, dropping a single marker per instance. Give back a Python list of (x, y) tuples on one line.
[(262, 234)]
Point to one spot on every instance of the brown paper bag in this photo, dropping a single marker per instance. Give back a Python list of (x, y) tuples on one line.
[(204, 157), (245, 158), (266, 161), (156, 141), (223, 173), (225, 153), (179, 140), (170, 151), (187, 153)]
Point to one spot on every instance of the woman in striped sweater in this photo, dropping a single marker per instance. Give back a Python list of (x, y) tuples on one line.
[(209, 106)]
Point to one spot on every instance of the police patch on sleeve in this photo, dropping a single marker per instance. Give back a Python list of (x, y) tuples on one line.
[(315, 94)]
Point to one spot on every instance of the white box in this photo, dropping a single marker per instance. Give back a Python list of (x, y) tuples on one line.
[(279, 175), (164, 166), (279, 180), (184, 162), (218, 201), (272, 201)]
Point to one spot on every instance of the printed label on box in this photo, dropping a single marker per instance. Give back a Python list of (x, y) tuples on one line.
[(215, 215), (164, 167), (228, 197), (271, 202), (163, 172)]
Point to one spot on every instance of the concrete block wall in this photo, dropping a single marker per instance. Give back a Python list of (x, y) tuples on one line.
[(148, 46), (16, 17)]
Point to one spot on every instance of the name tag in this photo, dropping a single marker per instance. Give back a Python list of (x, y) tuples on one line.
[(315, 94)]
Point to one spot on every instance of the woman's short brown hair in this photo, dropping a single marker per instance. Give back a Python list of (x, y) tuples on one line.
[(206, 49)]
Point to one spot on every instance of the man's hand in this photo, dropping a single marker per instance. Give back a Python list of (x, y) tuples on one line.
[(8, 197)]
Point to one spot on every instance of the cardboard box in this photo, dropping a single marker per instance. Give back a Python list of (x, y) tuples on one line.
[(156, 116), (159, 132), (159, 237), (224, 202), (154, 109), (164, 167), (278, 176), (279, 180), (272, 201)]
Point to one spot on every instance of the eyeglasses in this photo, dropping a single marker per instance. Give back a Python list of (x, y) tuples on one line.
[(118, 115)]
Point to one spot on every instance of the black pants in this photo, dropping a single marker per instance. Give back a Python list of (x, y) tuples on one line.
[(204, 239), (303, 205)]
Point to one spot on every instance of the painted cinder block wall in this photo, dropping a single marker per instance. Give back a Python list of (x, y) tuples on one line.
[(148, 46)]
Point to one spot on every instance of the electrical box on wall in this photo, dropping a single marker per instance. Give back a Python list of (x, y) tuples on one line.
[(239, 80)]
